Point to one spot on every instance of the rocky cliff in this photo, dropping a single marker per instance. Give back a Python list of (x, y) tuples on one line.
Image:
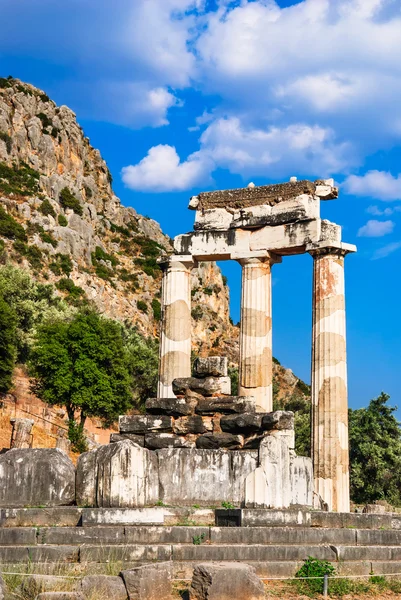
[(62, 221)]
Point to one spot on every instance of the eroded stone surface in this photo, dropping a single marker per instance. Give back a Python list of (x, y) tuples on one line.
[(157, 441), (207, 386), (144, 423), (36, 477), (149, 582), (103, 586), (225, 581), (214, 366), (174, 407), (226, 405), (211, 441)]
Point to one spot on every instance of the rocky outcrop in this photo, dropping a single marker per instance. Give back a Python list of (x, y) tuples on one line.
[(58, 187)]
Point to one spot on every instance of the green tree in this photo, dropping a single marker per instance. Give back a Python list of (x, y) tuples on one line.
[(32, 303), (143, 364), (7, 345), (82, 364), (375, 452)]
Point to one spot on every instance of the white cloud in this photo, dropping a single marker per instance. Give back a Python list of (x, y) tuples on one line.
[(377, 212), (374, 228), (386, 250), (161, 170), (376, 184), (230, 144)]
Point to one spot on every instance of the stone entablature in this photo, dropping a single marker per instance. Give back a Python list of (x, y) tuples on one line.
[(257, 226)]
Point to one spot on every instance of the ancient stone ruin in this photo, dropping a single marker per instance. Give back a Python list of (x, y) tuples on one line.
[(256, 226)]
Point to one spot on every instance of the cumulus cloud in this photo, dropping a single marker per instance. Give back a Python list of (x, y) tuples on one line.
[(386, 250), (230, 144), (376, 184), (374, 228), (378, 212), (161, 170)]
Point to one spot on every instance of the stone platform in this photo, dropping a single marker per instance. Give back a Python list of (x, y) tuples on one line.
[(274, 542)]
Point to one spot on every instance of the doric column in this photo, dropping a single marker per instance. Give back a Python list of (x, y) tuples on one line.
[(329, 378), (255, 348), (175, 330)]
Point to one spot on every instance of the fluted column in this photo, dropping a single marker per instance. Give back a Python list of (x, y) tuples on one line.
[(21, 436), (329, 380), (175, 330), (255, 349)]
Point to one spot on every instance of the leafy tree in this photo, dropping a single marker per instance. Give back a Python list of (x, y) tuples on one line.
[(143, 364), (82, 364), (7, 345), (33, 303), (375, 452)]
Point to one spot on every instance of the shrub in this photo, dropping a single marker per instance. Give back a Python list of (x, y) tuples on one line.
[(61, 264), (224, 280), (47, 209), (208, 291), (315, 568), (47, 238), (234, 376), (8, 351), (68, 200), (157, 310), (22, 180), (197, 313), (118, 229), (100, 254), (88, 191), (9, 227), (62, 220), (34, 256), (103, 272), (67, 285), (7, 139), (148, 247), (46, 121), (142, 306)]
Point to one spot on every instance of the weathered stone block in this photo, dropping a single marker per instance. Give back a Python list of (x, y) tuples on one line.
[(123, 516), (149, 582), (2, 589), (204, 477), (301, 479), (274, 458), (226, 581), (36, 477), (211, 441), (194, 424), (256, 489), (60, 596), (173, 407), (103, 586), (227, 405), (62, 516), (157, 441), (118, 475), (33, 585), (214, 366), (279, 419), (244, 423), (207, 386), (119, 437), (144, 423), (302, 208)]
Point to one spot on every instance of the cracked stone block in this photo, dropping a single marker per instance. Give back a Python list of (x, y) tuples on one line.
[(207, 386), (157, 441), (212, 441), (278, 419), (119, 437), (194, 424), (227, 405), (225, 581), (173, 407), (149, 582), (244, 423), (145, 423), (36, 477), (214, 366), (103, 586)]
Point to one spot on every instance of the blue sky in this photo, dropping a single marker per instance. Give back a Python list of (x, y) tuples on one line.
[(188, 95)]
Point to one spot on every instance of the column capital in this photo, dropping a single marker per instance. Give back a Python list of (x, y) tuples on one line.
[(326, 248), (256, 258), (177, 262)]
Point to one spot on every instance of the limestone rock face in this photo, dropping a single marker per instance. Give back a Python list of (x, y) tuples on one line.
[(48, 139), (225, 581), (118, 475), (36, 477)]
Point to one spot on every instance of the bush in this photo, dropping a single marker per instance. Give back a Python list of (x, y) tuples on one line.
[(234, 376), (100, 254), (34, 256), (197, 313), (315, 568), (157, 309), (7, 139), (68, 200), (143, 364), (62, 220), (142, 306), (67, 285), (224, 280), (21, 181), (47, 238), (208, 291), (47, 209), (46, 121), (9, 227), (61, 264)]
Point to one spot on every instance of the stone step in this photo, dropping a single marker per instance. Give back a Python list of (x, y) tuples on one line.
[(196, 553), (143, 534)]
